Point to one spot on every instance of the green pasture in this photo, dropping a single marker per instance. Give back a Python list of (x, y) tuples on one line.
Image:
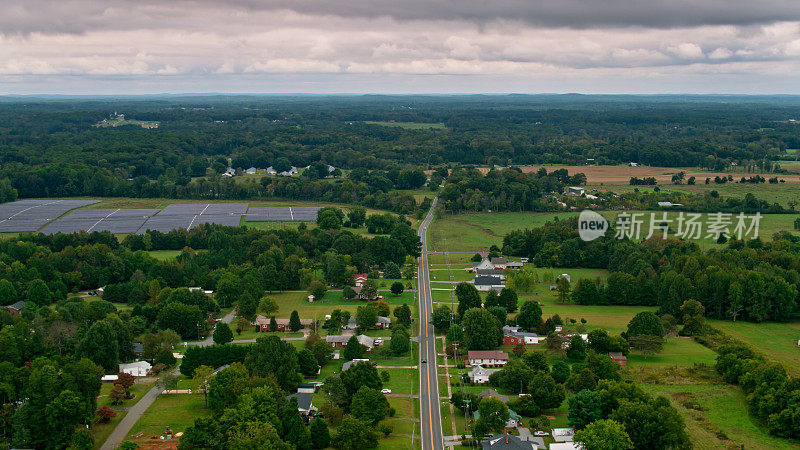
[(722, 420), (177, 411), (776, 340)]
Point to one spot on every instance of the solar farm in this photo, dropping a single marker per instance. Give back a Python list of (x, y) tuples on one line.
[(70, 216), (283, 214)]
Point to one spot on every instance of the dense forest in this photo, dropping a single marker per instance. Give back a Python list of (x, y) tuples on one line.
[(50, 147)]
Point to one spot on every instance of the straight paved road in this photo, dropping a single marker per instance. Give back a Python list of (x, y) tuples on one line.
[(429, 403)]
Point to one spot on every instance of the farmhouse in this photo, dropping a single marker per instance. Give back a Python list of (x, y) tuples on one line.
[(137, 369), (487, 358), (304, 405), (494, 394), (512, 336), (16, 308), (488, 282), (576, 190), (618, 358), (480, 374)]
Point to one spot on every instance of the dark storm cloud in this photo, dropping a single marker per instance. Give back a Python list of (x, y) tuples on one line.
[(77, 16)]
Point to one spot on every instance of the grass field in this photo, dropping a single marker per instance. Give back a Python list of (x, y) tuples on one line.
[(164, 255), (677, 352), (780, 193), (177, 411), (473, 232), (410, 125), (291, 301), (101, 431), (776, 340), (137, 390), (724, 423)]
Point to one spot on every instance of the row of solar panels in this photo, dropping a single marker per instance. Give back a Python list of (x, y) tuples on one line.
[(32, 215)]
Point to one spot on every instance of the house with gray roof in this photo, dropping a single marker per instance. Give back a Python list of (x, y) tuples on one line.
[(304, 403)]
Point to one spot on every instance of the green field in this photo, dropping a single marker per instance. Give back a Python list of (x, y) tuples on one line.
[(776, 340), (177, 411), (677, 352), (724, 421), (474, 232), (410, 125), (780, 193), (101, 431), (291, 301), (164, 255)]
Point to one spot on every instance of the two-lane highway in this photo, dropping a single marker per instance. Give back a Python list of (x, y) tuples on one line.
[(429, 403)]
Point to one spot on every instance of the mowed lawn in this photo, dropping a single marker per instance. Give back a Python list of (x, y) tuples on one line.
[(298, 301), (677, 352), (177, 411), (724, 423), (776, 340)]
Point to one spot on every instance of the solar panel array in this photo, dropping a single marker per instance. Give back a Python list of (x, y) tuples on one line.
[(190, 215), (117, 221), (30, 215), (283, 214)]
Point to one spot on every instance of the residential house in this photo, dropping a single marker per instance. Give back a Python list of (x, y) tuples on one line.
[(576, 190), (499, 262), (506, 441), (487, 282), (138, 349), (352, 363), (360, 278), (563, 434), (513, 336), (304, 405), (633, 164), (283, 324), (337, 340), (288, 173), (494, 394), (366, 341), (306, 388), (512, 423), (383, 322), (251, 171), (487, 358), (480, 375), (484, 264), (137, 369), (271, 171), (618, 358), (16, 308), (513, 265)]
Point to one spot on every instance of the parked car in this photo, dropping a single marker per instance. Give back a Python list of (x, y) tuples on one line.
[(386, 391), (541, 433)]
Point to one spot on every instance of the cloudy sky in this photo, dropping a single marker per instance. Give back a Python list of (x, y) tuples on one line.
[(405, 46)]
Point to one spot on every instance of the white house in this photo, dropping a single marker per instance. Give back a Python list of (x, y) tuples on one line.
[(250, 171), (563, 434), (480, 374), (137, 369), (576, 190), (487, 358)]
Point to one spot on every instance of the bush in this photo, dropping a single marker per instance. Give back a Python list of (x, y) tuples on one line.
[(213, 356)]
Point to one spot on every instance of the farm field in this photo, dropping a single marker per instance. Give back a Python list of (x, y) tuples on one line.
[(473, 232), (780, 193), (724, 422), (776, 340), (621, 174), (164, 255)]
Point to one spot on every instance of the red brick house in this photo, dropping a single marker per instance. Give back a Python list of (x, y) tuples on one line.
[(618, 358)]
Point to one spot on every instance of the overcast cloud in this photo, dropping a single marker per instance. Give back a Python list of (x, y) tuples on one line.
[(632, 46)]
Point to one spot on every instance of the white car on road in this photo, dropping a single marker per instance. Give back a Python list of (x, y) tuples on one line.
[(386, 391)]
